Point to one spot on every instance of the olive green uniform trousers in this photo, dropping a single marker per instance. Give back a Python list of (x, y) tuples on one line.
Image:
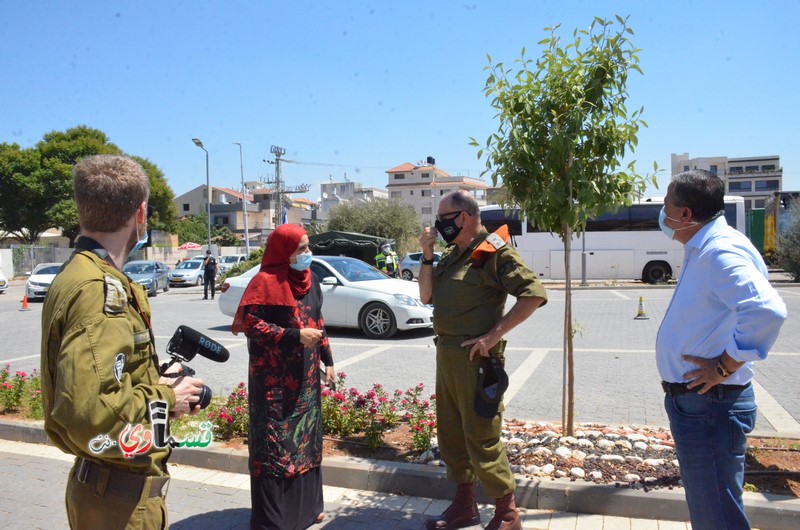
[(470, 445)]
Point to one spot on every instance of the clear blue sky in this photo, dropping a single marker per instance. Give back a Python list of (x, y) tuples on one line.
[(356, 88)]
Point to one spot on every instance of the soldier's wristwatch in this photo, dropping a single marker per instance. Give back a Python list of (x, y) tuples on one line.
[(426, 261)]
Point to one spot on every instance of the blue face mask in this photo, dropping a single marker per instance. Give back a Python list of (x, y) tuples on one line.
[(670, 232), (139, 244), (303, 262)]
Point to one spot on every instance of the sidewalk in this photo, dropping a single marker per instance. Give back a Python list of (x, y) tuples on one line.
[(210, 489)]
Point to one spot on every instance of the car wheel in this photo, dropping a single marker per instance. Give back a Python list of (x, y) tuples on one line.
[(166, 287), (199, 281), (377, 321), (408, 275), (154, 291)]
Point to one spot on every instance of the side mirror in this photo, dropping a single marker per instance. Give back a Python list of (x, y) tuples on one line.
[(329, 280)]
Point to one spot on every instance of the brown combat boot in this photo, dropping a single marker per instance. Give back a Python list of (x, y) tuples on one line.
[(463, 511), (506, 515)]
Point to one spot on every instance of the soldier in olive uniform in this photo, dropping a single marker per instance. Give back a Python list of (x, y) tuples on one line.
[(98, 364), (468, 289)]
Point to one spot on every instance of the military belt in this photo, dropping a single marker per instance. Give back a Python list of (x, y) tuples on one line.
[(105, 479)]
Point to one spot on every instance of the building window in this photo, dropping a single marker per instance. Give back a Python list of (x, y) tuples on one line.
[(426, 175), (766, 185), (185, 207), (426, 193), (221, 221), (713, 169), (411, 192), (735, 170), (400, 176), (396, 195), (686, 168), (748, 169), (442, 192), (768, 167), (427, 210), (739, 186), (760, 203)]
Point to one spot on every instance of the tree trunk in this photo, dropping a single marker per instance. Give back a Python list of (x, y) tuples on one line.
[(568, 334)]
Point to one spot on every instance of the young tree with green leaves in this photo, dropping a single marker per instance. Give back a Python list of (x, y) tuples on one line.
[(386, 218), (564, 130)]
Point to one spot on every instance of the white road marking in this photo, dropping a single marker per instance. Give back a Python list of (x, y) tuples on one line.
[(362, 356), (620, 295), (517, 379)]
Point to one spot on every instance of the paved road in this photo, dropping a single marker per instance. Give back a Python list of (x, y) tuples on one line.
[(615, 373)]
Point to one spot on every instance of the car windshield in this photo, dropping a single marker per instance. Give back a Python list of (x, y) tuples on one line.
[(52, 269), (355, 270), (191, 264), (229, 259), (139, 268)]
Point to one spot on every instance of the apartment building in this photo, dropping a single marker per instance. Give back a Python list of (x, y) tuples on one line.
[(333, 194), (421, 186), (755, 178)]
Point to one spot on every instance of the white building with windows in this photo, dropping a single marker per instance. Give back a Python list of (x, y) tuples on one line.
[(422, 186), (333, 194), (754, 178)]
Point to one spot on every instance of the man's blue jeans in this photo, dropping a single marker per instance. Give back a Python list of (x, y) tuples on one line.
[(710, 432)]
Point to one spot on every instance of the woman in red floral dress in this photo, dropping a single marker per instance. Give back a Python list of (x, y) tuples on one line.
[(280, 313)]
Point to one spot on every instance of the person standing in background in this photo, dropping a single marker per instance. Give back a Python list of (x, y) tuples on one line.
[(210, 272)]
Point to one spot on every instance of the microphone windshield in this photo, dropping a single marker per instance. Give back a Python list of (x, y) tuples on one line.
[(187, 342)]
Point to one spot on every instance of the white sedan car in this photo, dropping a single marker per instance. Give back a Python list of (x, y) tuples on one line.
[(3, 283), (355, 295), (40, 280)]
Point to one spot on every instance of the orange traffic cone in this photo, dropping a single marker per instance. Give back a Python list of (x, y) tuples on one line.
[(25, 303), (641, 315)]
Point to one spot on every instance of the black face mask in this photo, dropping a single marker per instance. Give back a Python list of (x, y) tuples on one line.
[(448, 229)]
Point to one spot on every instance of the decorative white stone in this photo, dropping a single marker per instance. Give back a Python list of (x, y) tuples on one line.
[(580, 434), (568, 440), (585, 442), (675, 463), (548, 469), (632, 477), (612, 458), (543, 451), (577, 472), (549, 433), (516, 441), (659, 447), (625, 444), (578, 455), (560, 473), (591, 457), (533, 470), (595, 475), (640, 446), (563, 452), (593, 434), (534, 441), (634, 459), (612, 436), (517, 469), (654, 462), (650, 480), (605, 444), (636, 437)]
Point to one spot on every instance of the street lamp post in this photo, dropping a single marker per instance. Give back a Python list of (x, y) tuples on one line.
[(199, 144), (244, 203)]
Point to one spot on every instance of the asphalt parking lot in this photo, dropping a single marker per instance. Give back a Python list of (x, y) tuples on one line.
[(615, 372)]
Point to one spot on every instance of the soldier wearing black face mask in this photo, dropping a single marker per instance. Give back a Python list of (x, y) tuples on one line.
[(468, 289)]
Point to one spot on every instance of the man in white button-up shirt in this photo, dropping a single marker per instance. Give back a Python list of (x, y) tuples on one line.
[(724, 315)]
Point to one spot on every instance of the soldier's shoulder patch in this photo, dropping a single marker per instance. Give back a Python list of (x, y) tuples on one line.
[(507, 267), (495, 240), (119, 366), (116, 297)]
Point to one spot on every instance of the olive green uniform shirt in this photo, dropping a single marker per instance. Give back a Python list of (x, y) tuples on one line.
[(90, 322), (468, 299)]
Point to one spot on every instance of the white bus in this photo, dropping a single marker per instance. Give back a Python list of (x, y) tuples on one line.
[(627, 244)]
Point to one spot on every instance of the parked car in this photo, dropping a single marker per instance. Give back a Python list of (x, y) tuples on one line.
[(40, 280), (355, 295), (3, 283), (151, 274), (186, 273), (226, 263), (409, 267)]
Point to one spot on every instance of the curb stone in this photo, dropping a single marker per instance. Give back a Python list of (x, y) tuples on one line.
[(776, 512)]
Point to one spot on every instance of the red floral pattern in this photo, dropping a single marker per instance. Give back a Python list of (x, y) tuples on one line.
[(285, 437)]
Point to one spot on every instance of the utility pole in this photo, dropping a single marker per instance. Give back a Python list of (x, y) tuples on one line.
[(244, 203), (278, 188)]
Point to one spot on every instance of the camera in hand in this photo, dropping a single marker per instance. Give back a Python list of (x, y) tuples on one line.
[(185, 344)]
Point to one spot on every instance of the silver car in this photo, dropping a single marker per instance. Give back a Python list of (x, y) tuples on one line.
[(40, 279), (151, 274), (187, 273), (409, 267)]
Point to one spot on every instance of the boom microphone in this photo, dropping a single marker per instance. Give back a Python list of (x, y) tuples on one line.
[(187, 342)]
